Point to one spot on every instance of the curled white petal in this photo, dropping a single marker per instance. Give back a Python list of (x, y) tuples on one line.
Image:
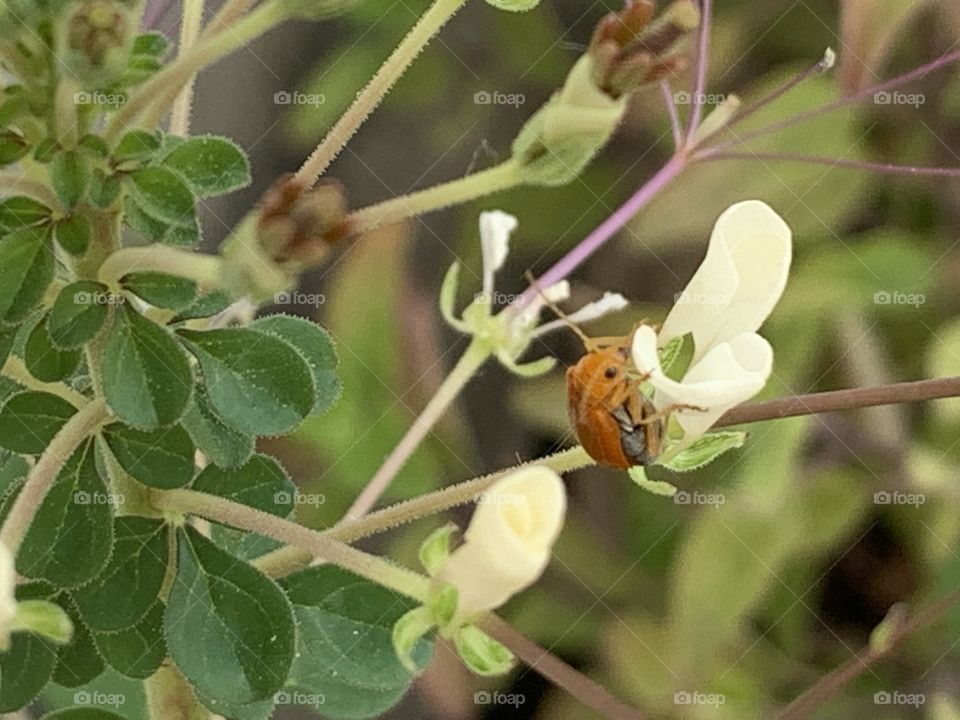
[(609, 303), (739, 281), (495, 229), (8, 603), (509, 541), (556, 293)]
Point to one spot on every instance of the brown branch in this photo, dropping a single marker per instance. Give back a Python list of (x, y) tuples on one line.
[(835, 400), (833, 682), (558, 672)]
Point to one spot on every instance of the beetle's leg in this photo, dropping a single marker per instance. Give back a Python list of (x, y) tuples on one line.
[(625, 391), (665, 413)]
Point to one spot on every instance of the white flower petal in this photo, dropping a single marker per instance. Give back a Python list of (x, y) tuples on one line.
[(739, 282), (509, 541), (556, 293), (609, 303), (495, 229), (8, 603)]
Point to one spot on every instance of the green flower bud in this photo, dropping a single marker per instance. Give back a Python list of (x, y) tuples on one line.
[(96, 38), (562, 137), (514, 5)]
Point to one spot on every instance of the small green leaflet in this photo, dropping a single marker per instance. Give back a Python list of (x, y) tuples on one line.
[(79, 662), (137, 651), (24, 669), (161, 458), (135, 147), (345, 648), (183, 234), (676, 355), (44, 359), (229, 628), (27, 261), (71, 537), (73, 233), (30, 419), (19, 211), (210, 165), (162, 195), (128, 586), (223, 445), (147, 378), (638, 474), (706, 449), (78, 313), (260, 483), (163, 291), (257, 382), (70, 177)]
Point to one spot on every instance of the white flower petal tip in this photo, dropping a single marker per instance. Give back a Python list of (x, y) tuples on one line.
[(829, 59), (8, 602), (496, 227), (509, 541)]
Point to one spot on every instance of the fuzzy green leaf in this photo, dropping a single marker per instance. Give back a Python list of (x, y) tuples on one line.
[(706, 449), (223, 445), (161, 290), (44, 359), (29, 420), (78, 662), (78, 313), (27, 261), (163, 195), (73, 234), (162, 458), (260, 483), (138, 651), (19, 211), (24, 669), (210, 165), (70, 177)]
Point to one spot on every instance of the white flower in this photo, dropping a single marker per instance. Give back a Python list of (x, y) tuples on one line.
[(509, 541), (8, 603), (726, 301)]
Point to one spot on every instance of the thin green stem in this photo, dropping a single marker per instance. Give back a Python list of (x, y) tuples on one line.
[(189, 32), (285, 560), (227, 15), (366, 102), (15, 369), (157, 94), (500, 177), (227, 512), (205, 270), (471, 360), (41, 476)]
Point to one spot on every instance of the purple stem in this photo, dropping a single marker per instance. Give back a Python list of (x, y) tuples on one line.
[(886, 168), (672, 113), (919, 72), (606, 230), (703, 50)]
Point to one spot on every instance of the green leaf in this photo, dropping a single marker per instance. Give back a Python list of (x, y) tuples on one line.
[(223, 445), (24, 669), (260, 483), (435, 550), (210, 165), (151, 43), (120, 596), (104, 189), (7, 338), (20, 211), (204, 306), (162, 458), (78, 313), (138, 651), (94, 145), (46, 619), (162, 195), (638, 474), (46, 361), (12, 147), (161, 290), (79, 662), (147, 378), (27, 262), (317, 348), (70, 177), (29, 420), (408, 631), (184, 234), (73, 234), (135, 147), (481, 653), (706, 449), (345, 647), (257, 383), (229, 628), (70, 539), (676, 355)]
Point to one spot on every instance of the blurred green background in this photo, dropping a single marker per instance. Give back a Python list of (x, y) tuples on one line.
[(753, 599)]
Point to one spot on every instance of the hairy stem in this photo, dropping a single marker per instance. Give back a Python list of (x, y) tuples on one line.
[(189, 32), (371, 96), (41, 476), (500, 177), (12, 183), (558, 672), (202, 269), (471, 360), (15, 369), (227, 512), (700, 73), (229, 13)]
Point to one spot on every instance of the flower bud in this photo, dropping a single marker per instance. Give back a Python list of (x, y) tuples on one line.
[(509, 541), (96, 38)]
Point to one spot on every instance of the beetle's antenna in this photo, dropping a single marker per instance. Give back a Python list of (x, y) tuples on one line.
[(588, 343)]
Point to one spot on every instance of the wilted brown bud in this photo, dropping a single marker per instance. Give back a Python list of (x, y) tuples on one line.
[(630, 51), (97, 36), (299, 224)]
